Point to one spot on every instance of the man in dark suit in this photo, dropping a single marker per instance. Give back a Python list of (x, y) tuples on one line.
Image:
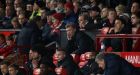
[(113, 64), (78, 42), (65, 61), (29, 34)]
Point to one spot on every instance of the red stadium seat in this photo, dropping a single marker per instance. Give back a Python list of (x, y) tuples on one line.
[(83, 60), (76, 58), (55, 59)]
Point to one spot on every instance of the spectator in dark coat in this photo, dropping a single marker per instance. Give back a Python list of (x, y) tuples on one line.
[(135, 19), (119, 28), (109, 22), (70, 16), (113, 64), (14, 70), (46, 69), (78, 42), (86, 23), (29, 34), (66, 62)]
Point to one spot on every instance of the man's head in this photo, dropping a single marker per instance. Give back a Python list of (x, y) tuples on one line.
[(112, 14), (4, 67), (22, 18), (70, 29), (135, 7), (19, 10), (43, 13), (60, 54), (10, 40), (83, 19), (29, 6), (13, 69), (2, 39), (104, 12), (100, 60), (68, 8), (37, 51), (9, 11), (120, 9), (44, 67), (135, 18), (94, 11)]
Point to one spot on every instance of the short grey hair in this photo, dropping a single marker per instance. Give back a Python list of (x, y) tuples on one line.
[(100, 56)]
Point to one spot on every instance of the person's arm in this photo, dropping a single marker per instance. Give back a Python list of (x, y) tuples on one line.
[(113, 68)]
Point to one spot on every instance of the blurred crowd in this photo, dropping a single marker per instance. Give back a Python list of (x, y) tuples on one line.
[(41, 22)]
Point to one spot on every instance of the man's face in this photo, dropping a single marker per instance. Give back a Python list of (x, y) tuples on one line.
[(104, 12), (43, 70), (35, 55), (70, 32), (8, 11), (43, 14), (101, 64), (135, 7), (93, 13), (30, 55), (18, 10), (29, 7), (118, 24), (82, 21), (112, 15), (21, 19), (4, 68), (134, 19), (1, 40), (60, 55), (12, 71)]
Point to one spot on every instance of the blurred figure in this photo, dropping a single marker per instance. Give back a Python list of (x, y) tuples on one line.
[(29, 8), (70, 16), (120, 27), (104, 13), (9, 13), (113, 64), (17, 3), (46, 69), (135, 19), (91, 67), (86, 23), (2, 41), (4, 68), (19, 10), (109, 22), (15, 23), (36, 9), (65, 61), (14, 70), (135, 7)]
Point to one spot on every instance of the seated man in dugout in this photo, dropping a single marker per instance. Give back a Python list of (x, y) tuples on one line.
[(78, 42)]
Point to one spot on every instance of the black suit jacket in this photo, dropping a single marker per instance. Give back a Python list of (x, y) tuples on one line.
[(70, 66), (115, 65), (80, 43)]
